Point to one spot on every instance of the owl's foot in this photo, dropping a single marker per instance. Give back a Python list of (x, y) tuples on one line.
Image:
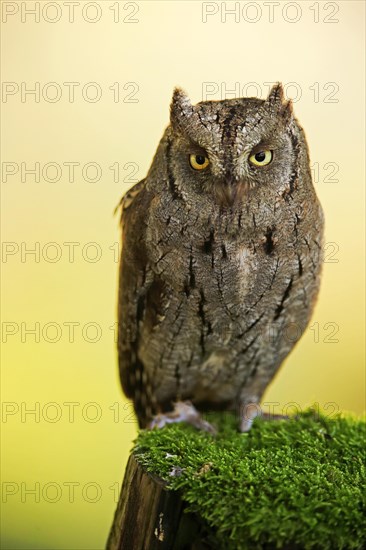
[(183, 411), (250, 411), (270, 416)]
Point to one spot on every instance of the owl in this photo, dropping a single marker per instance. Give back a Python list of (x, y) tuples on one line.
[(221, 259)]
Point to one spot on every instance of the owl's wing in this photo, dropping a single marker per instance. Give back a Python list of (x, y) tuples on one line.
[(134, 279), (127, 200)]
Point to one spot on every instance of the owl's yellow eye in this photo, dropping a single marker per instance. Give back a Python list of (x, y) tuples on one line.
[(198, 162), (262, 158)]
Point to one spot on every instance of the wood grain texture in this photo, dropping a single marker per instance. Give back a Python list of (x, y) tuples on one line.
[(149, 517)]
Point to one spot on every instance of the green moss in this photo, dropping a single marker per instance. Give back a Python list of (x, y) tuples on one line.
[(297, 483)]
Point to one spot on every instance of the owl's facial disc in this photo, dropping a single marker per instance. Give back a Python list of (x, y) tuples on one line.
[(230, 149)]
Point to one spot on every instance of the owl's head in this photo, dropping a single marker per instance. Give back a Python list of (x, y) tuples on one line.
[(231, 147)]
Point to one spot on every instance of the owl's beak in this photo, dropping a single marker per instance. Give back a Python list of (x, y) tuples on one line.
[(229, 194), (227, 191)]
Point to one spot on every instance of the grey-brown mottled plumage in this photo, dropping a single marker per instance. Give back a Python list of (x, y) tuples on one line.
[(220, 266)]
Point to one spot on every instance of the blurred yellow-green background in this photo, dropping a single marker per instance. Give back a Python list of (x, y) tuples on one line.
[(102, 75)]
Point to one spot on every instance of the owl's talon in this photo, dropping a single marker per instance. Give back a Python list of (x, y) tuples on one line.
[(182, 412), (250, 411), (270, 416)]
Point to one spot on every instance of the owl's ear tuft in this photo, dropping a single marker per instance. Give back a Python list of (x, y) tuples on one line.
[(276, 96), (287, 110), (180, 109), (277, 102)]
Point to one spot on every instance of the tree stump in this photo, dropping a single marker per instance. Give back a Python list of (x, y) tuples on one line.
[(149, 517)]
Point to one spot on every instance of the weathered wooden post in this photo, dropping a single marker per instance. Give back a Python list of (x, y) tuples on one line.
[(149, 516)]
